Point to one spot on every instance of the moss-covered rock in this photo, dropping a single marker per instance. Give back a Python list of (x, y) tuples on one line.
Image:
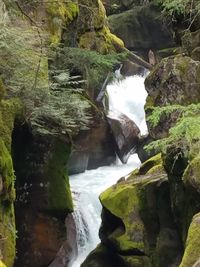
[(2, 264), (175, 81), (7, 196), (2, 90), (141, 28), (59, 16), (43, 196), (192, 248), (190, 40), (8, 111), (140, 213), (93, 32)]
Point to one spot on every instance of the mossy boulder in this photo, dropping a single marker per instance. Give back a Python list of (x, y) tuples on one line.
[(137, 219), (8, 111), (92, 30), (60, 15), (2, 90), (174, 81), (7, 196), (102, 257), (2, 264), (190, 41), (43, 195), (141, 28), (192, 247)]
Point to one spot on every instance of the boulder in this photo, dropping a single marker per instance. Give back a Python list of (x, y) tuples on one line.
[(126, 134), (142, 28), (173, 83), (92, 149), (43, 196), (137, 220), (192, 247), (175, 80), (69, 251), (190, 41), (129, 69)]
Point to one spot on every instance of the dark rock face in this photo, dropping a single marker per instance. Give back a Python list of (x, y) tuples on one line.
[(126, 134), (43, 196), (68, 252), (92, 149), (191, 43), (175, 80), (142, 28), (142, 153)]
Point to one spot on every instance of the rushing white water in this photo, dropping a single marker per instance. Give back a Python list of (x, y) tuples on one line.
[(127, 96)]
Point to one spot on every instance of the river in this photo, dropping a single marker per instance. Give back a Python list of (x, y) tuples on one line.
[(127, 96)]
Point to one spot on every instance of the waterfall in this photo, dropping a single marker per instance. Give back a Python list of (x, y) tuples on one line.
[(127, 96)]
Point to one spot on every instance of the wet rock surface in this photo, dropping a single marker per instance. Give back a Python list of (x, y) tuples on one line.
[(126, 134)]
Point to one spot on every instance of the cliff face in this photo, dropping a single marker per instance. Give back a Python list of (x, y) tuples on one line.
[(34, 152), (152, 218)]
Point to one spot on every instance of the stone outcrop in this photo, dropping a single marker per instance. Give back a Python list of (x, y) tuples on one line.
[(125, 133), (142, 28), (137, 221), (92, 149), (174, 81), (43, 196)]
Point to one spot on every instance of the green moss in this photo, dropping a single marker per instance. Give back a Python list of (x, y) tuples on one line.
[(7, 233), (2, 264), (60, 15), (137, 261), (9, 109), (102, 41), (60, 200), (2, 90), (7, 173), (192, 249), (122, 201), (7, 196)]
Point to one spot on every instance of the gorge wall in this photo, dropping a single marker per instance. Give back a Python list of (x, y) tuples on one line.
[(151, 219)]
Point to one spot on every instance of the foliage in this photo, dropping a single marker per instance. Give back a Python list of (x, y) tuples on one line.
[(94, 66), (189, 9), (185, 133), (157, 112), (64, 110), (54, 108)]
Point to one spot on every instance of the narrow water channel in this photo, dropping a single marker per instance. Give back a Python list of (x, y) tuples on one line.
[(127, 96)]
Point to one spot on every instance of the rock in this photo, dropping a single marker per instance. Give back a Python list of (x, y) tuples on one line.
[(196, 53), (92, 149), (191, 40), (141, 151), (7, 197), (192, 248), (40, 237), (129, 69), (78, 162), (142, 29), (137, 219), (43, 196), (102, 257), (126, 134), (2, 264), (92, 30), (69, 251), (174, 81)]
